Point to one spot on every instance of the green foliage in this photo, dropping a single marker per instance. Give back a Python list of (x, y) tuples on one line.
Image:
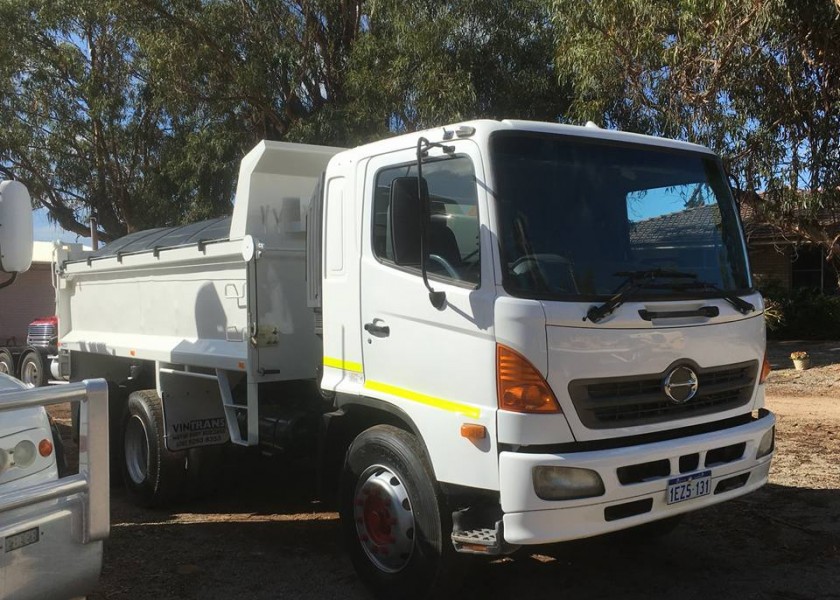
[(421, 64), (82, 127), (801, 314), (139, 110)]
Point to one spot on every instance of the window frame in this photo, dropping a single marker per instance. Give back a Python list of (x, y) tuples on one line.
[(433, 276), (516, 292)]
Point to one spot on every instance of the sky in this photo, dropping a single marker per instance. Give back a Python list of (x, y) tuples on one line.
[(44, 231)]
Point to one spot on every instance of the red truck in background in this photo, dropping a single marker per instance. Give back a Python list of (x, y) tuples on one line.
[(31, 362)]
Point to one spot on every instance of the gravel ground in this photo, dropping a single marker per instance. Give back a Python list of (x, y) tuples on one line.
[(822, 379), (264, 536)]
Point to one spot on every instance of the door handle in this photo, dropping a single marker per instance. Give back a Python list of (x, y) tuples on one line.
[(378, 328)]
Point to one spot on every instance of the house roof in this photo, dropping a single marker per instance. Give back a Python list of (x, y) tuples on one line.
[(686, 227), (759, 230)]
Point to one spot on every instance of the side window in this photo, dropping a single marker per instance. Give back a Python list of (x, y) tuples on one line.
[(453, 228)]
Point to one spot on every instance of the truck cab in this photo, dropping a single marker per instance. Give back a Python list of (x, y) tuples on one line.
[(581, 350)]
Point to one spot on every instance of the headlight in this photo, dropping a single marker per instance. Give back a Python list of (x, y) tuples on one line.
[(566, 483), (768, 442), (24, 454)]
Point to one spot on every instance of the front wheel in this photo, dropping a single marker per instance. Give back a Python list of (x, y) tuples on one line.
[(392, 515)]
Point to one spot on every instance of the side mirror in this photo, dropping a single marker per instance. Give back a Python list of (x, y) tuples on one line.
[(15, 227), (406, 220)]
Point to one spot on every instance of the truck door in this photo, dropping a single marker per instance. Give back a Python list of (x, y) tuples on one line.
[(435, 365)]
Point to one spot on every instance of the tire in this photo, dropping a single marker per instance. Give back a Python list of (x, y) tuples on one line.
[(32, 372), (393, 520), (7, 363), (153, 476)]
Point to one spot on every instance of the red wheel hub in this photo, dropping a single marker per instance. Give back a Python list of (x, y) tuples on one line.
[(384, 519), (378, 520)]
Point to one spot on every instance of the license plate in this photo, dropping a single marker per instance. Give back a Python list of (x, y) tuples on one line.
[(19, 540), (689, 487)]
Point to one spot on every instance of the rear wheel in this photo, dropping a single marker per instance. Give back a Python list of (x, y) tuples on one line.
[(153, 475), (32, 372), (392, 515), (7, 363)]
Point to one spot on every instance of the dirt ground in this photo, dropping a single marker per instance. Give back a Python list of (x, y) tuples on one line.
[(264, 537)]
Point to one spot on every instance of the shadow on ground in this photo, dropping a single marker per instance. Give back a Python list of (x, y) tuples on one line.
[(264, 536)]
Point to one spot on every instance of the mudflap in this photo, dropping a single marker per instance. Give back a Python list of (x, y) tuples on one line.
[(193, 414)]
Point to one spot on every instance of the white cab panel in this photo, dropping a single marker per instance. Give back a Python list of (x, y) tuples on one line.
[(342, 222), (602, 351), (438, 366)]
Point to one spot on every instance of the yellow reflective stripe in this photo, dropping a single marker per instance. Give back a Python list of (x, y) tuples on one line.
[(337, 363), (465, 409)]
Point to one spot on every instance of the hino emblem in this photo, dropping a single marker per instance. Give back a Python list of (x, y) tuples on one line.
[(680, 385)]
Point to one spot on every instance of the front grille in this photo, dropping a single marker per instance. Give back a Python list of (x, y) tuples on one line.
[(42, 336), (640, 400)]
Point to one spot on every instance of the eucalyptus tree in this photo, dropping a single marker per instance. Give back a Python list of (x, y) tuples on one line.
[(139, 110), (81, 125), (423, 63)]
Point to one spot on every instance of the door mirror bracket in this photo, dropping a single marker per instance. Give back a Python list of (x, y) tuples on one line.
[(437, 298)]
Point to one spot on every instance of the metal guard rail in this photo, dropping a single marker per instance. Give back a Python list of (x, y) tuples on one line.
[(92, 481)]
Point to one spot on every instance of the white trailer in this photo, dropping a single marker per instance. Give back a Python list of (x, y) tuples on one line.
[(521, 332)]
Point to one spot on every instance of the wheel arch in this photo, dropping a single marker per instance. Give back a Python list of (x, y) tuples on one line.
[(117, 371), (341, 427)]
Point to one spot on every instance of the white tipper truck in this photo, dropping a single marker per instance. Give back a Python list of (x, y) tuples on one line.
[(491, 334)]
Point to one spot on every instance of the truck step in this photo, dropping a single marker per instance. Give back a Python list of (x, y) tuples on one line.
[(486, 541)]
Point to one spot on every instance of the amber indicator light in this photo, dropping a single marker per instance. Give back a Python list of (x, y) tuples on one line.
[(521, 388)]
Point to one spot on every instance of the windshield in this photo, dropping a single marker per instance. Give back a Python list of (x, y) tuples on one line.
[(576, 216)]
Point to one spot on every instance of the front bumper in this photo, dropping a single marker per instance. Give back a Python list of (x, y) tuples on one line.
[(58, 564), (531, 520)]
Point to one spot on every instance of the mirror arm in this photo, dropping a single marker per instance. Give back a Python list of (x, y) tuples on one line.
[(438, 299)]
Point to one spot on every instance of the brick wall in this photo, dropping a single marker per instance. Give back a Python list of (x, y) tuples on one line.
[(28, 298), (771, 263)]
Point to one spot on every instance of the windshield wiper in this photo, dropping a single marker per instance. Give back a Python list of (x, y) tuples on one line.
[(742, 306), (634, 281)]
